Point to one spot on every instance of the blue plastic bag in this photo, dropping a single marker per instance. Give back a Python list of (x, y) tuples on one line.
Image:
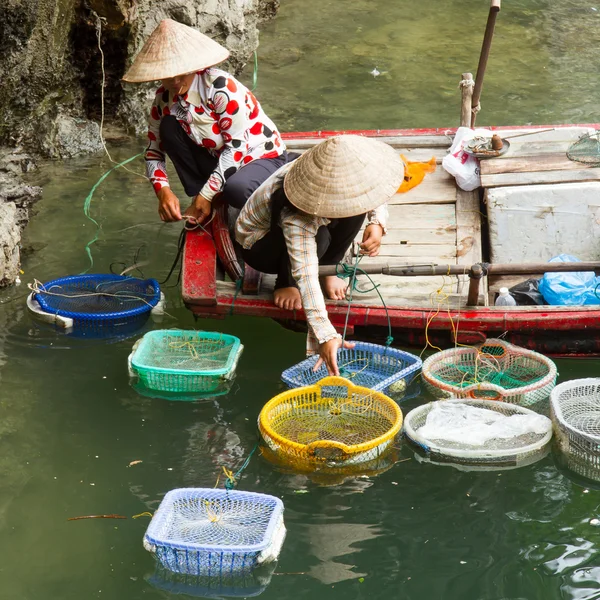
[(569, 289)]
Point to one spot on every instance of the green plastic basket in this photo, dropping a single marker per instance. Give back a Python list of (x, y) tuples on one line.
[(173, 360)]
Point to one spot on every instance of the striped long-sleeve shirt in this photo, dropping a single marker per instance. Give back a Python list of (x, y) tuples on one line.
[(299, 230)]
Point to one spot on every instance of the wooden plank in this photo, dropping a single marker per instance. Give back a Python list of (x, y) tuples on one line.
[(414, 154), (404, 141), (401, 298), (510, 179), (420, 235), (406, 214), (534, 163), (420, 254), (468, 236)]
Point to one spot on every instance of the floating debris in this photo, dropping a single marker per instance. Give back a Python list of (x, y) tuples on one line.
[(134, 462)]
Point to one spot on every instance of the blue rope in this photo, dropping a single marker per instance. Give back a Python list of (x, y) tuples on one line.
[(231, 480), (87, 205), (345, 271)]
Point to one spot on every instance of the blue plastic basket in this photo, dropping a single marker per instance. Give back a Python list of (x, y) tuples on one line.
[(212, 532), (100, 303), (243, 585), (366, 365)]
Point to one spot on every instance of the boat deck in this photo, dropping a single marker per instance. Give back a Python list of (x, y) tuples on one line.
[(434, 223)]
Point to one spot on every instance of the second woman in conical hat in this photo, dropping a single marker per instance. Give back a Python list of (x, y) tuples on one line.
[(209, 124), (307, 214)]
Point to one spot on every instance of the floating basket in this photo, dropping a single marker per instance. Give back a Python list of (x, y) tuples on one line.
[(173, 360), (332, 420), (368, 365), (96, 305), (215, 533), (495, 370), (226, 585), (515, 451), (575, 410)]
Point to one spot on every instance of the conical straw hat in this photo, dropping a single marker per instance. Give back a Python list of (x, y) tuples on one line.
[(344, 176), (174, 49)]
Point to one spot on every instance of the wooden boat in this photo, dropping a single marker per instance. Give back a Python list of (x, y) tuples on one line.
[(434, 228)]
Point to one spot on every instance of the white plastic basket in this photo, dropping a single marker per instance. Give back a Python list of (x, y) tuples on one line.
[(513, 452), (575, 412)]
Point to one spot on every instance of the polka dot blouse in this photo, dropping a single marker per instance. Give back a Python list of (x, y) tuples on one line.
[(219, 114)]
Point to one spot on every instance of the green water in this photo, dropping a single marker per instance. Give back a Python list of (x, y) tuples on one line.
[(70, 424)]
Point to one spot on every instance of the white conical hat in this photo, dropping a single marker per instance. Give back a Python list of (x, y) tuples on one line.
[(344, 176), (174, 49)]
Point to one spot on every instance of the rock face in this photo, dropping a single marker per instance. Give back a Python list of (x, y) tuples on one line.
[(51, 64), (15, 200), (54, 55)]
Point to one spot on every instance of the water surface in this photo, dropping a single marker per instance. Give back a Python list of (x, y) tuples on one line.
[(70, 423)]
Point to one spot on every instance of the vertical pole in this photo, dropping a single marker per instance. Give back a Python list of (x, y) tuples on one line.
[(483, 57), (466, 86), (475, 275)]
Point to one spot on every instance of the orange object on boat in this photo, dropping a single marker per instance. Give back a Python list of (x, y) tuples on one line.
[(414, 173)]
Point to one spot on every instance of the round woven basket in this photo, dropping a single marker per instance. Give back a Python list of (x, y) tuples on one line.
[(515, 452), (575, 412), (495, 370), (332, 421)]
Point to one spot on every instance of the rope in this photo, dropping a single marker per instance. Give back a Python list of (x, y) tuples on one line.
[(466, 83), (345, 271), (231, 478), (88, 202), (255, 73), (99, 20)]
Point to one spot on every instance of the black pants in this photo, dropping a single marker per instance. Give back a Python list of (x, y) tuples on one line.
[(270, 254), (194, 165)]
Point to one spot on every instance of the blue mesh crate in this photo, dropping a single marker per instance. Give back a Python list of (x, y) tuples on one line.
[(212, 532), (100, 304), (366, 365), (236, 585)]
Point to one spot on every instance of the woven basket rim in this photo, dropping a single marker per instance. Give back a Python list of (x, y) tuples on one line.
[(556, 409), (266, 429), (413, 434), (171, 495)]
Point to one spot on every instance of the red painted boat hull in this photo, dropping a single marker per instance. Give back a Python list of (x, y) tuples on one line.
[(558, 331)]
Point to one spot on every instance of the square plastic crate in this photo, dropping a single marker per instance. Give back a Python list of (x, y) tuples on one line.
[(173, 360), (366, 365), (212, 532)]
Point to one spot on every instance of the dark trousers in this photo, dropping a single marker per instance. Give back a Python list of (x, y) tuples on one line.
[(270, 254), (194, 165)]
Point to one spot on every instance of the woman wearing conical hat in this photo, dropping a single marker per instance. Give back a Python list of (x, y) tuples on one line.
[(210, 125), (307, 214)]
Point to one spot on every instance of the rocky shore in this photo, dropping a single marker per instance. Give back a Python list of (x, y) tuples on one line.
[(51, 69)]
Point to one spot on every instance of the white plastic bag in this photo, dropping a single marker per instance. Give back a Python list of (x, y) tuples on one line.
[(472, 426), (464, 167)]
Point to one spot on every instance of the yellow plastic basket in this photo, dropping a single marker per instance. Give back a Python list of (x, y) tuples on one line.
[(331, 421)]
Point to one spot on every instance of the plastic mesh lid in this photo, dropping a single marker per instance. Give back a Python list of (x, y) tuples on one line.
[(577, 404), (186, 351), (221, 520), (98, 296)]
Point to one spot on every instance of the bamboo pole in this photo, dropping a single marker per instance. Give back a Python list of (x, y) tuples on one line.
[(403, 270), (483, 58), (466, 86)]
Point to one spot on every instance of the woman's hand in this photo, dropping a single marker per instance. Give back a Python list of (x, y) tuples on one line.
[(168, 205), (199, 209), (328, 355), (371, 243)]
